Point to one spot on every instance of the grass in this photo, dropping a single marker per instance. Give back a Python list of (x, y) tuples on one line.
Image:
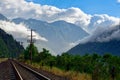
[(72, 75), (3, 59)]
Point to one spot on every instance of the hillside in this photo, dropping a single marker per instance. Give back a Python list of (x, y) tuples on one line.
[(112, 47), (2, 17), (107, 41), (9, 46)]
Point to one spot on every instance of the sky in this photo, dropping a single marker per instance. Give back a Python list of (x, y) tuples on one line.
[(87, 14), (110, 7), (93, 16)]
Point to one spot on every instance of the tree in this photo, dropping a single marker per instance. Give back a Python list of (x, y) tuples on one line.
[(31, 50)]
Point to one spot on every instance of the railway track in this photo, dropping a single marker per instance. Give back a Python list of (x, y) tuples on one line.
[(22, 72)]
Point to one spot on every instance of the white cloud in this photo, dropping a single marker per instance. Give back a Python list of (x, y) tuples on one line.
[(102, 20), (105, 34), (19, 31), (21, 8), (102, 34)]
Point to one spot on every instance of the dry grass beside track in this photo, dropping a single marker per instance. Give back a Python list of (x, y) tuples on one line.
[(72, 75)]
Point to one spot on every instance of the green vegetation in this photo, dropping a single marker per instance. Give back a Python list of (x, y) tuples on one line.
[(99, 67), (8, 46), (31, 50), (3, 49)]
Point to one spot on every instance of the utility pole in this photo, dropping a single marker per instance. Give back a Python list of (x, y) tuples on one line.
[(21, 45), (31, 42)]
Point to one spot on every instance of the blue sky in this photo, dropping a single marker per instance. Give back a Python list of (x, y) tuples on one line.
[(110, 7), (107, 13)]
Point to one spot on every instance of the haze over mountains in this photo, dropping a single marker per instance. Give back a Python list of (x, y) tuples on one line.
[(58, 35)]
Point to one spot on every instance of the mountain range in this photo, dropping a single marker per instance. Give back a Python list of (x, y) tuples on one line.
[(62, 36), (59, 34)]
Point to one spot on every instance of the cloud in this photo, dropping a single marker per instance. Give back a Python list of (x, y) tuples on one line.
[(105, 34), (102, 20), (19, 31), (21, 8), (102, 34)]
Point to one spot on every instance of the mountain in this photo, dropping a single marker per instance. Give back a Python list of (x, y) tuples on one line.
[(8, 45), (112, 47), (60, 34), (2, 17), (107, 41)]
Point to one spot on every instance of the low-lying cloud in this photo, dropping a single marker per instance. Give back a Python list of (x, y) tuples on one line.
[(102, 20), (19, 31), (102, 34)]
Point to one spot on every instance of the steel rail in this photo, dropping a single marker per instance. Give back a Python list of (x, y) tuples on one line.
[(37, 74)]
